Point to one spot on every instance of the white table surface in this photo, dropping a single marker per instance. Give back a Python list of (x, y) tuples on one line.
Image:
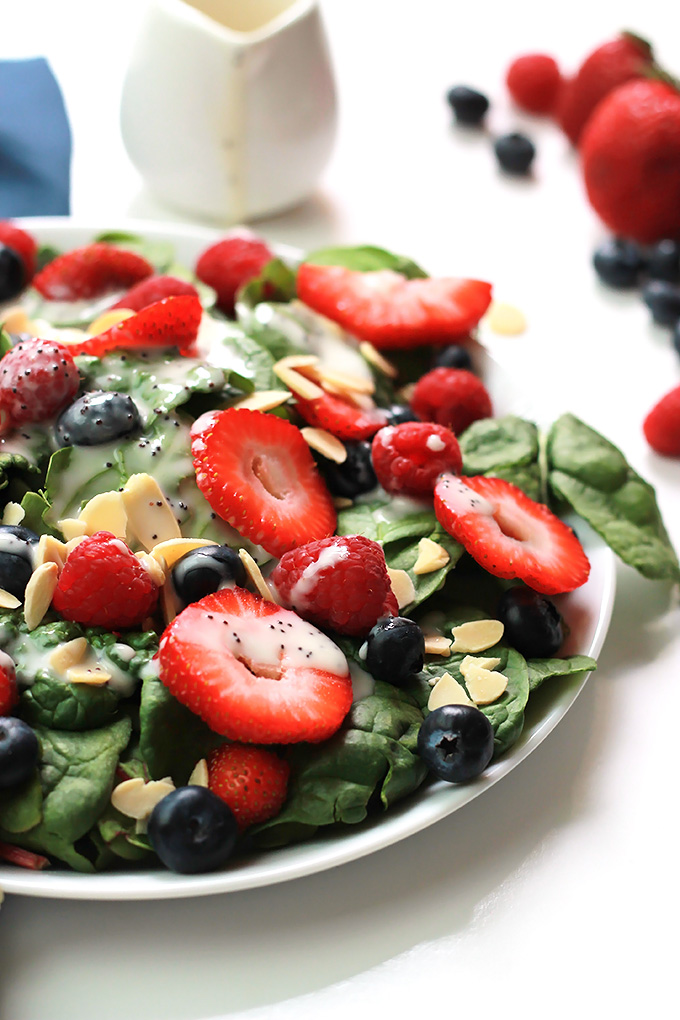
[(554, 893)]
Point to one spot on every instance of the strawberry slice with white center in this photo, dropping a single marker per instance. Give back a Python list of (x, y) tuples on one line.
[(257, 473), (509, 534), (391, 311), (255, 672)]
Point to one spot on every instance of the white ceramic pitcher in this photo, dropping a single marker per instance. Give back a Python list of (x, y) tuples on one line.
[(228, 108)]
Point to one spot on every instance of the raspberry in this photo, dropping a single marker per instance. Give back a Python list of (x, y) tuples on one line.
[(22, 243), (408, 458), (154, 289), (252, 781), (37, 379), (230, 263), (103, 584), (662, 425), (340, 582), (534, 81), (452, 397)]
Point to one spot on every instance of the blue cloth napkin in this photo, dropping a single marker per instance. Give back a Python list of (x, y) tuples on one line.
[(35, 141)]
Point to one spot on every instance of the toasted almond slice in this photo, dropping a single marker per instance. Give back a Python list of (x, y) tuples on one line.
[(154, 567), (472, 662), (13, 514), (150, 517), (108, 319), (347, 381), (447, 691), (169, 602), (137, 799), (341, 502), (402, 586), (476, 636), (264, 400), (325, 443), (16, 320), (505, 319), (105, 512), (71, 527), (92, 675), (437, 644), (39, 592), (8, 601), (406, 392), (199, 774), (50, 550), (485, 685), (298, 383), (73, 542), (431, 556), (298, 361), (255, 575), (167, 553), (373, 356), (67, 655)]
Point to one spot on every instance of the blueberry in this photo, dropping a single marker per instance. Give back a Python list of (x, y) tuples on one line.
[(468, 105), (192, 830), (456, 742), (453, 356), (98, 417), (532, 622), (514, 152), (663, 300), (12, 273), (664, 261), (394, 649), (619, 263), (206, 570), (397, 414), (676, 337), (354, 476), (19, 752), (16, 558)]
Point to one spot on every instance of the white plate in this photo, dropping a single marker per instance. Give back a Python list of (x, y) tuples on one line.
[(587, 611)]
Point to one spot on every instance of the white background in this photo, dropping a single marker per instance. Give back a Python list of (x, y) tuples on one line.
[(554, 893)]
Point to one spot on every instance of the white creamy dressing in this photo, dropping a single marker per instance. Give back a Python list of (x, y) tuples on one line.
[(328, 557), (398, 508), (363, 683), (435, 443), (461, 499)]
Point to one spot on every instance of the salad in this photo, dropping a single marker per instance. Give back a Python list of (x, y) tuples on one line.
[(269, 561)]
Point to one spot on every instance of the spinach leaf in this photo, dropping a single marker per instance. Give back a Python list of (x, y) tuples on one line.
[(591, 475), (5, 342), (371, 761), (171, 738), (64, 706), (247, 359), (276, 282), (543, 669), (35, 506), (402, 555), (506, 447), (160, 254), (382, 520), (21, 808), (26, 449), (365, 259)]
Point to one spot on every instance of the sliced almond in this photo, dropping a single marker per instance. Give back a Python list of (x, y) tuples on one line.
[(105, 512), (437, 644), (90, 675), (71, 527), (447, 691), (169, 602), (50, 550), (402, 586), (298, 383), (485, 685), (325, 443), (73, 542), (341, 502), (406, 392), (472, 662), (373, 356), (431, 556), (150, 517), (39, 592), (347, 381), (199, 775), (476, 636), (167, 553), (8, 601), (67, 655), (15, 320), (505, 319), (154, 567), (264, 400), (137, 799), (296, 361), (13, 514), (108, 319), (255, 575)]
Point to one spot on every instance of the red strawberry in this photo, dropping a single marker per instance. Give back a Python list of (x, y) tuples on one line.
[(172, 322), (255, 672), (534, 81), (153, 289), (408, 458), (340, 417), (391, 311), (630, 158), (22, 243), (603, 70), (90, 271), (252, 781), (340, 582), (453, 397), (9, 693), (257, 473), (230, 263), (37, 379), (509, 534), (662, 425), (103, 584)]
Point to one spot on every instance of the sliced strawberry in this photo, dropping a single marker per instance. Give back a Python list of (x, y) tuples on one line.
[(391, 311), (343, 419), (90, 271), (9, 693), (172, 322), (257, 473), (255, 672), (153, 289), (509, 534)]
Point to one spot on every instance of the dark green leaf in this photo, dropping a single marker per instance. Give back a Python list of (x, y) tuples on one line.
[(506, 447), (21, 808), (543, 669), (172, 739), (365, 259)]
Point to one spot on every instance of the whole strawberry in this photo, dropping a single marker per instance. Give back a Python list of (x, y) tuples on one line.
[(630, 159), (662, 425), (37, 379), (610, 65), (103, 584), (231, 262), (252, 781)]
